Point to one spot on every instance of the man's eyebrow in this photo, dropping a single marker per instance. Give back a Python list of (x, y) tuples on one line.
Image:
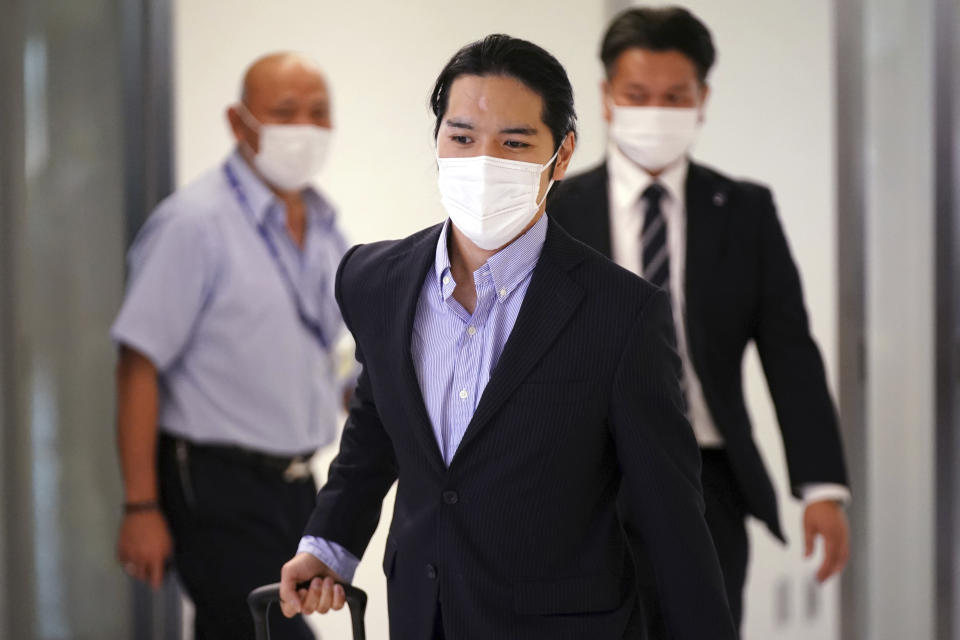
[(676, 88), (459, 124), (525, 130)]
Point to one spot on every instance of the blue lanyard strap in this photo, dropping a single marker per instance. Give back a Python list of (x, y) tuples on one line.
[(309, 323)]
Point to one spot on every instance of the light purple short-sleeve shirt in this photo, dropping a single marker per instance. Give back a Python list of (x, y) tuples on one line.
[(208, 305)]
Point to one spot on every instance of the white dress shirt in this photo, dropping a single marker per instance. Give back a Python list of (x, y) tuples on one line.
[(627, 183)]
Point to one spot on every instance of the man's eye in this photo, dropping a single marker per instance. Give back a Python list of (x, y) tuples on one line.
[(460, 139), (516, 144)]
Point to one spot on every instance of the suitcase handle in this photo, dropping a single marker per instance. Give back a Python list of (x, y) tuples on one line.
[(261, 598)]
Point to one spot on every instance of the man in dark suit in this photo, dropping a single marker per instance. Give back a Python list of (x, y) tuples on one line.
[(716, 246), (514, 383)]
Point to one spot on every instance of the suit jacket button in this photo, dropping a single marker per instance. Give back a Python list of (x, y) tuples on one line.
[(431, 572), (450, 497)]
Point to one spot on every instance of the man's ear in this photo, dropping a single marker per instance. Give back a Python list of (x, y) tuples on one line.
[(236, 123), (705, 90), (605, 96), (564, 155), (242, 133)]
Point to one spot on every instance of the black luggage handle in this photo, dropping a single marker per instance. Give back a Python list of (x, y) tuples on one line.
[(261, 598)]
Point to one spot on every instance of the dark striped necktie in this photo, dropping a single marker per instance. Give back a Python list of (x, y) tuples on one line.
[(653, 239), (656, 257)]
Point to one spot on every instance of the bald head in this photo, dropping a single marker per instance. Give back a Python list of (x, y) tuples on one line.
[(280, 88), (272, 72)]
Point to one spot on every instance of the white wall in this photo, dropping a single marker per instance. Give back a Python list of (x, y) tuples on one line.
[(771, 119), (381, 59)]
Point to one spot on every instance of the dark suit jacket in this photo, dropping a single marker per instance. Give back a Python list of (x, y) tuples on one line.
[(520, 536), (741, 285)]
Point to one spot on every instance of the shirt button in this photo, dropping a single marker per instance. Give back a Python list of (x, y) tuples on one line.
[(503, 293), (472, 331), (431, 572), (446, 279), (450, 497), (463, 394)]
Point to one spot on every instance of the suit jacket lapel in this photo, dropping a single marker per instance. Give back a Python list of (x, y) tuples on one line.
[(707, 228), (551, 300), (597, 207), (588, 218), (404, 281), (708, 222)]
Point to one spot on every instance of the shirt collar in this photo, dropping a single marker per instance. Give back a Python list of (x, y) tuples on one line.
[(508, 267), (320, 212), (629, 181)]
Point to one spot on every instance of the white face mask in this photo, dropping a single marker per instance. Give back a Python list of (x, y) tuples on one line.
[(290, 154), (491, 200), (654, 137)]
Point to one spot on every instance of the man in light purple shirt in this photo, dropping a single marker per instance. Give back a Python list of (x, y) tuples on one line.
[(226, 381)]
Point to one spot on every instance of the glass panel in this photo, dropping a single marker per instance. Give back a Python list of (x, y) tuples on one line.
[(69, 277)]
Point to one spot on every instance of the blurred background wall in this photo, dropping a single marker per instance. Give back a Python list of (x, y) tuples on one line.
[(381, 63), (846, 108)]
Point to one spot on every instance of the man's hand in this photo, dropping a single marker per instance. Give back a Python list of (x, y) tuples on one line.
[(827, 519), (143, 546), (322, 596)]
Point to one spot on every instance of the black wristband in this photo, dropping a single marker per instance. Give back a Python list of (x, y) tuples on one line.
[(138, 507)]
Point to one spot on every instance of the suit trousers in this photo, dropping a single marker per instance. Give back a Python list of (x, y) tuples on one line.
[(234, 524), (726, 515)]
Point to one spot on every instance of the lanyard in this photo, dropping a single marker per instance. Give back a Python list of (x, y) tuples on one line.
[(309, 323)]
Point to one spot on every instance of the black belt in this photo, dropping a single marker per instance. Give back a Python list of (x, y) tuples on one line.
[(292, 468)]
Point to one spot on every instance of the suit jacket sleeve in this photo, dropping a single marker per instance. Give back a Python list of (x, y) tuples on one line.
[(661, 493), (348, 505), (793, 366)]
